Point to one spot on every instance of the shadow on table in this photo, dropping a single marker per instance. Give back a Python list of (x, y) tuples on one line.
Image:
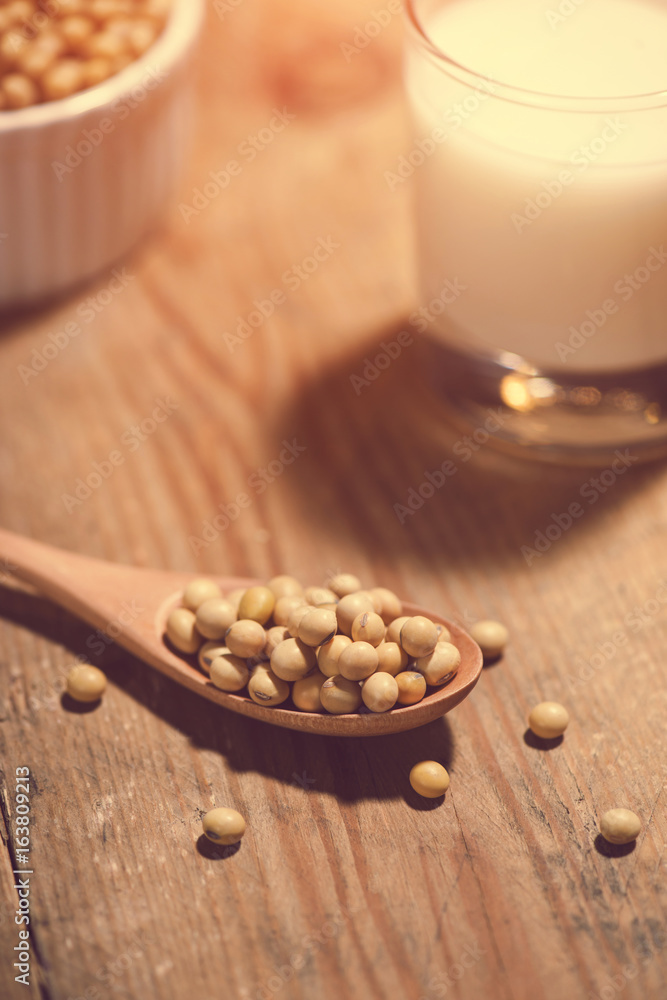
[(371, 442), (540, 742), (350, 769), (608, 850), (216, 852)]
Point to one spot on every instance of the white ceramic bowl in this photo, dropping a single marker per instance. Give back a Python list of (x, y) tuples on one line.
[(82, 179)]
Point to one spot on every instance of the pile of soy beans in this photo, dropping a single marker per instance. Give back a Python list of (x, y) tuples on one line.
[(337, 648), (50, 49)]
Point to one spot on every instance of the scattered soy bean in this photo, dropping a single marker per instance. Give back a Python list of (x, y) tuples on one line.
[(491, 637), (224, 826), (620, 826), (86, 683), (429, 779), (548, 720)]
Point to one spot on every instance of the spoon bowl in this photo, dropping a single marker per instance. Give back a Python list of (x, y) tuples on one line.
[(132, 605)]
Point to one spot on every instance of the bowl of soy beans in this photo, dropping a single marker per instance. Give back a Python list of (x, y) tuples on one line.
[(96, 107)]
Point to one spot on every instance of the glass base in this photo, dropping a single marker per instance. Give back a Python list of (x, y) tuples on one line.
[(564, 417)]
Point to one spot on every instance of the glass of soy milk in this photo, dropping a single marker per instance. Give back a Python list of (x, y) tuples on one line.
[(539, 165)]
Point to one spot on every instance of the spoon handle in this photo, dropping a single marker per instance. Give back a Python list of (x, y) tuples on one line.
[(91, 589), (48, 569)]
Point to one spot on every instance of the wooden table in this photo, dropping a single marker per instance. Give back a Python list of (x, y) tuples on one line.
[(345, 884)]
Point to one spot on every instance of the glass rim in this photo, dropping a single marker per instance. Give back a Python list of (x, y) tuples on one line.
[(534, 98)]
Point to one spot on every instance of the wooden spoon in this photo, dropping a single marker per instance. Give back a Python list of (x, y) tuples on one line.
[(132, 605)]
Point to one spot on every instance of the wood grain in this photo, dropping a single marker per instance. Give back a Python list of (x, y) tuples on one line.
[(345, 885)]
